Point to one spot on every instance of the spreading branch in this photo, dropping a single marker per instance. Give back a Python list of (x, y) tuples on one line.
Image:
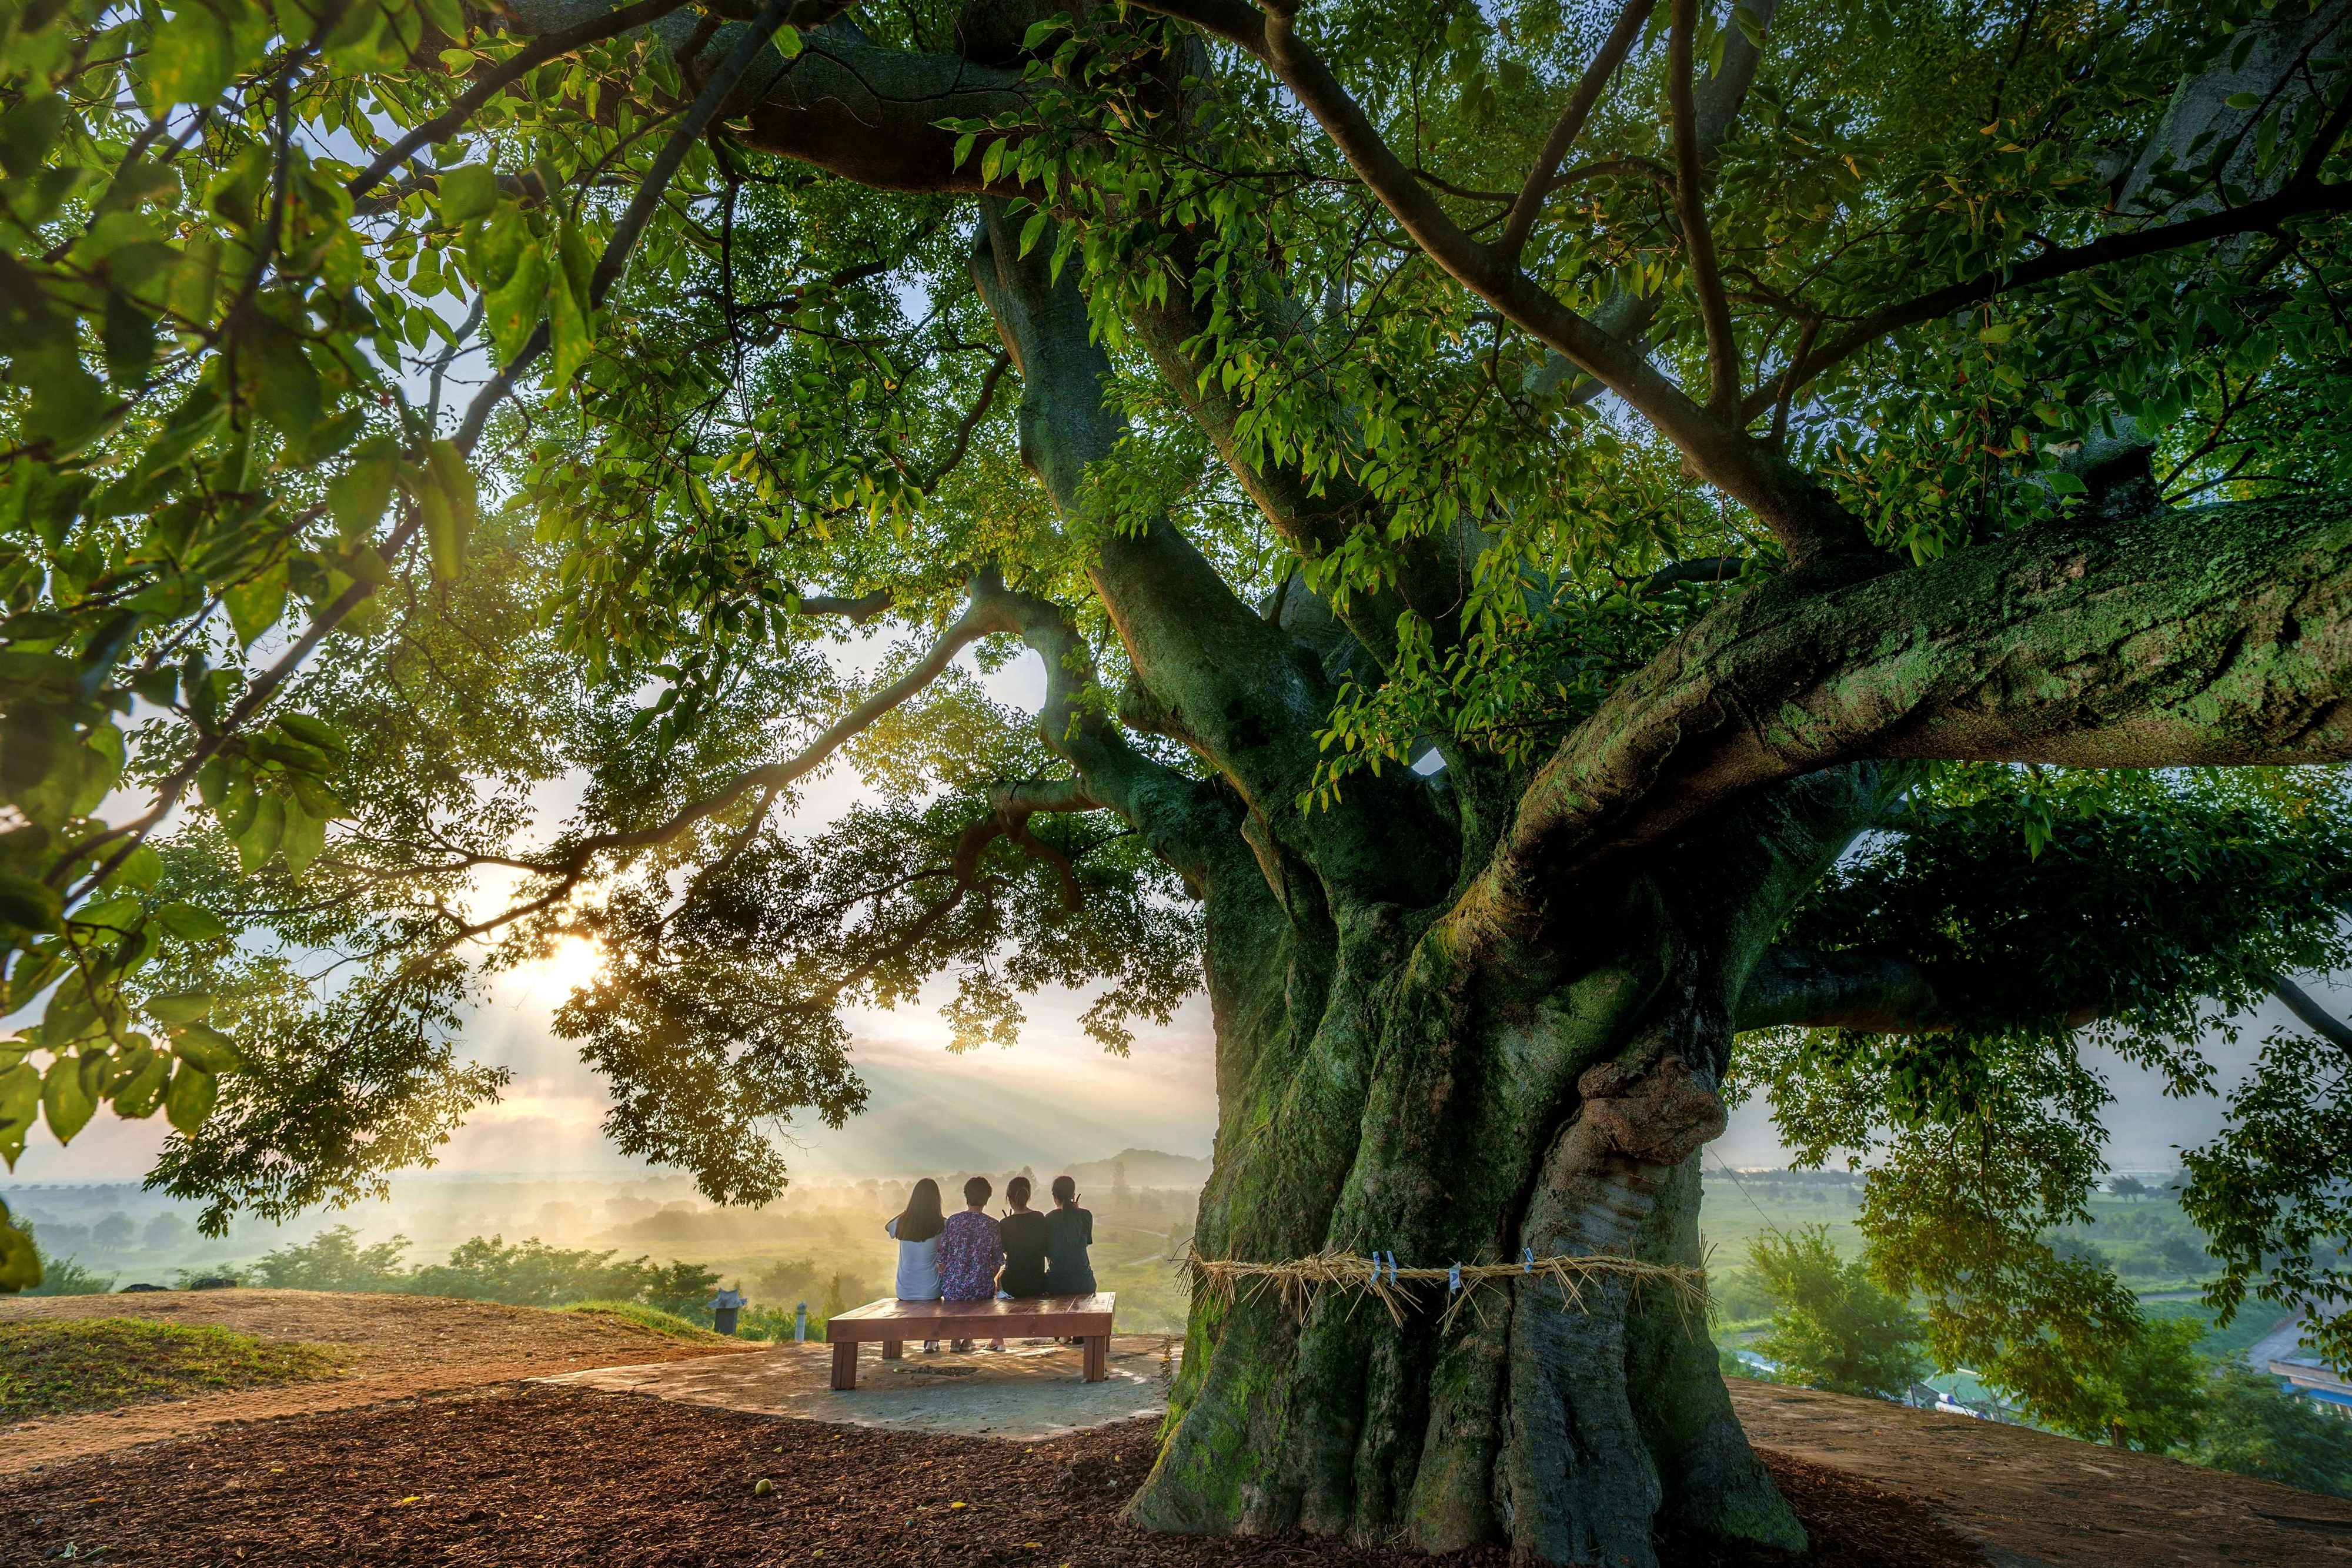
[(536, 53), (1690, 208), (1714, 442), (2300, 198), (1539, 181), (2221, 636)]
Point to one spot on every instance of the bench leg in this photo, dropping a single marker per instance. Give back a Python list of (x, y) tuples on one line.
[(845, 1367), (1098, 1357), (892, 1349)]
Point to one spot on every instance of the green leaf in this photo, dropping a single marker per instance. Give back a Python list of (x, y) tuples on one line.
[(314, 731), (28, 905), (142, 867), (447, 17), (467, 191), (208, 1049), (191, 56), (304, 837), (122, 914), (180, 1007), (514, 307), (446, 497), (20, 1260), (190, 1099), (285, 384), (1998, 332), (788, 41), (66, 1101), (190, 923), (1032, 228), (1749, 27), (129, 338), (237, 813), (20, 1106), (139, 1085), (2244, 100), (27, 130), (70, 404), (256, 604), (260, 841), (358, 495)]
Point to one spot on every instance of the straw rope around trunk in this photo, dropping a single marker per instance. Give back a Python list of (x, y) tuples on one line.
[(1299, 1282)]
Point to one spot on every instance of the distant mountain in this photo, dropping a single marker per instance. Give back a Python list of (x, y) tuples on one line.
[(1145, 1167)]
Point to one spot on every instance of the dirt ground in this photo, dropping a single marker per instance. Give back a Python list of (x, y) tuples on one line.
[(407, 1345), (623, 1447), (547, 1476), (2031, 1498)]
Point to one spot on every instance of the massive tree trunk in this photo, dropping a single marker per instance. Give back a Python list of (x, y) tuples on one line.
[(1451, 1089)]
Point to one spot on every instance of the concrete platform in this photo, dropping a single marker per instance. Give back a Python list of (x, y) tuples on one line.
[(1022, 1393)]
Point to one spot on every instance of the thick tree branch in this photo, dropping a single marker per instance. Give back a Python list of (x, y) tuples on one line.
[(1796, 986), (2317, 1019), (856, 611), (2217, 636)]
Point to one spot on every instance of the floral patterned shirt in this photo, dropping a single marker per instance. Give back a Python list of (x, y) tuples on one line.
[(970, 1251)]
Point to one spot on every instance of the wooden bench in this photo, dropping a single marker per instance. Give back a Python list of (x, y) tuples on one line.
[(891, 1323)]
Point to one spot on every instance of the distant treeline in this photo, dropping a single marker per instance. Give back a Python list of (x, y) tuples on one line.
[(529, 1273)]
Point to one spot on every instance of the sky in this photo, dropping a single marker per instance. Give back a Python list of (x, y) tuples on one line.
[(1054, 1098)]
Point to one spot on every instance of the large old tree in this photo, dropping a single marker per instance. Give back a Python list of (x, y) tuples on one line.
[(1586, 562)]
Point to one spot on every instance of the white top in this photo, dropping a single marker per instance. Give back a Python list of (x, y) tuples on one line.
[(919, 1267)]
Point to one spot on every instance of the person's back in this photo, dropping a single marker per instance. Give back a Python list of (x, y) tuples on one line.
[(917, 1230), (1023, 1235), (970, 1249), (1069, 1231)]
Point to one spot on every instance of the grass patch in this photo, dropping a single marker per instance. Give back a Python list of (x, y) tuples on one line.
[(653, 1320), (100, 1363)]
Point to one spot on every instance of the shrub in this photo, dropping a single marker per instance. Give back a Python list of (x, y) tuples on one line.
[(683, 1289), (66, 1277), (530, 1274), (2144, 1389), (334, 1260), (2254, 1427), (1834, 1327)]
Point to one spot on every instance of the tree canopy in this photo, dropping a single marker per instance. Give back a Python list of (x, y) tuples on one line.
[(1890, 456)]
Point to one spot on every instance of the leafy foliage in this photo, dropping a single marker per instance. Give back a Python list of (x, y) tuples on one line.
[(2145, 910), (528, 1273), (1833, 1326), (2253, 1428)]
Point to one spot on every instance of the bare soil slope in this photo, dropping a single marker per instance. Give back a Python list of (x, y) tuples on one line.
[(544, 1476), (404, 1345), (2031, 1498)]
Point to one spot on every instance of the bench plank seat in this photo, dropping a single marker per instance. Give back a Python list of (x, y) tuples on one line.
[(891, 1322)]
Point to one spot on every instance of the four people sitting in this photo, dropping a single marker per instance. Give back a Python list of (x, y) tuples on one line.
[(971, 1255)]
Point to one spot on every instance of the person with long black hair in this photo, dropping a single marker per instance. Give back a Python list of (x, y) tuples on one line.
[(917, 1229)]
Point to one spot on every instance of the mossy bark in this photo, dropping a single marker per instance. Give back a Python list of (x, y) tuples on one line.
[(1451, 1089)]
